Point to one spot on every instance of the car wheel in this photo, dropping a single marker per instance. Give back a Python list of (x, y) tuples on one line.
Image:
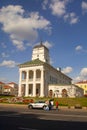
[(30, 107), (44, 107)]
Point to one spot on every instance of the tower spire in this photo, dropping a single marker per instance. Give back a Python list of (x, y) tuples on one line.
[(41, 42)]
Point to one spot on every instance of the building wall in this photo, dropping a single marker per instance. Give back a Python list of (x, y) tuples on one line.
[(65, 91), (15, 88), (83, 85), (8, 90)]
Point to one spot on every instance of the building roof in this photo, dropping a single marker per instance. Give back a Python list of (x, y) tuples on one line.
[(40, 45), (82, 82), (2, 83), (35, 62), (11, 83), (38, 62), (7, 87)]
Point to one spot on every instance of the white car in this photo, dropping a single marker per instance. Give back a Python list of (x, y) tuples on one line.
[(37, 104)]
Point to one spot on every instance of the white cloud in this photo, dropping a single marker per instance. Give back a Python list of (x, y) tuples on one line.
[(8, 63), (83, 72), (19, 44), (67, 70), (22, 28), (58, 7), (79, 48), (45, 2), (71, 18), (84, 7), (82, 75)]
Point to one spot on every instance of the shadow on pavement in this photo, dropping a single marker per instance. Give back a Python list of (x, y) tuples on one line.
[(15, 121)]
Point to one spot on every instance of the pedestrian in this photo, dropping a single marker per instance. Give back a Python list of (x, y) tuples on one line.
[(50, 106), (52, 103), (57, 104), (48, 102), (47, 107)]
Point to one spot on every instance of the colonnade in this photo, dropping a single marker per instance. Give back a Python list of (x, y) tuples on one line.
[(26, 78)]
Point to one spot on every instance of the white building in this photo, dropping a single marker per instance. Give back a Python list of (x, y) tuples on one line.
[(36, 75), (72, 91)]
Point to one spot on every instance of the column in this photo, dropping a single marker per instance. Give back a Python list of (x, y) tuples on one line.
[(34, 84), (20, 80), (27, 87), (42, 84)]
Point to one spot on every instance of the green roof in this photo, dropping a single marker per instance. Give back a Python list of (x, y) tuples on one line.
[(32, 63), (37, 62)]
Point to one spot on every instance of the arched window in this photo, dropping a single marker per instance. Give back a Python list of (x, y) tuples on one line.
[(30, 74), (38, 74), (50, 93), (23, 75), (64, 93)]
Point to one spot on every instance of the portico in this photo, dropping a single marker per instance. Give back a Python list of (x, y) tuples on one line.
[(31, 81)]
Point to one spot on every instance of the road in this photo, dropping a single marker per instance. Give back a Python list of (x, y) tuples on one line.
[(19, 117)]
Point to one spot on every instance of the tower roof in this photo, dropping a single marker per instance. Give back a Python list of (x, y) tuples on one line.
[(40, 45)]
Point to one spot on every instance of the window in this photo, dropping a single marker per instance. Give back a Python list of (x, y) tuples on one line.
[(86, 92)]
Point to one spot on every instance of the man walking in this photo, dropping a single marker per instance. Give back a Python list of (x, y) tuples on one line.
[(57, 104)]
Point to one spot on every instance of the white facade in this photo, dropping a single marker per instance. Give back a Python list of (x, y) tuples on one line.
[(65, 91), (36, 75), (31, 81)]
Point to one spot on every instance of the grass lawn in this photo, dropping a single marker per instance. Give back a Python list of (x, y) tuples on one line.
[(67, 101), (62, 101)]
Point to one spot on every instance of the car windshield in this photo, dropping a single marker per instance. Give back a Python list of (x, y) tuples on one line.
[(40, 102)]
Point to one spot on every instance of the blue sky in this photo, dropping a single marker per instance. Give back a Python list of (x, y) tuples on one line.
[(60, 24)]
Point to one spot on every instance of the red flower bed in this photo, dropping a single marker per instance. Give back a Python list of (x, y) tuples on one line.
[(26, 101)]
